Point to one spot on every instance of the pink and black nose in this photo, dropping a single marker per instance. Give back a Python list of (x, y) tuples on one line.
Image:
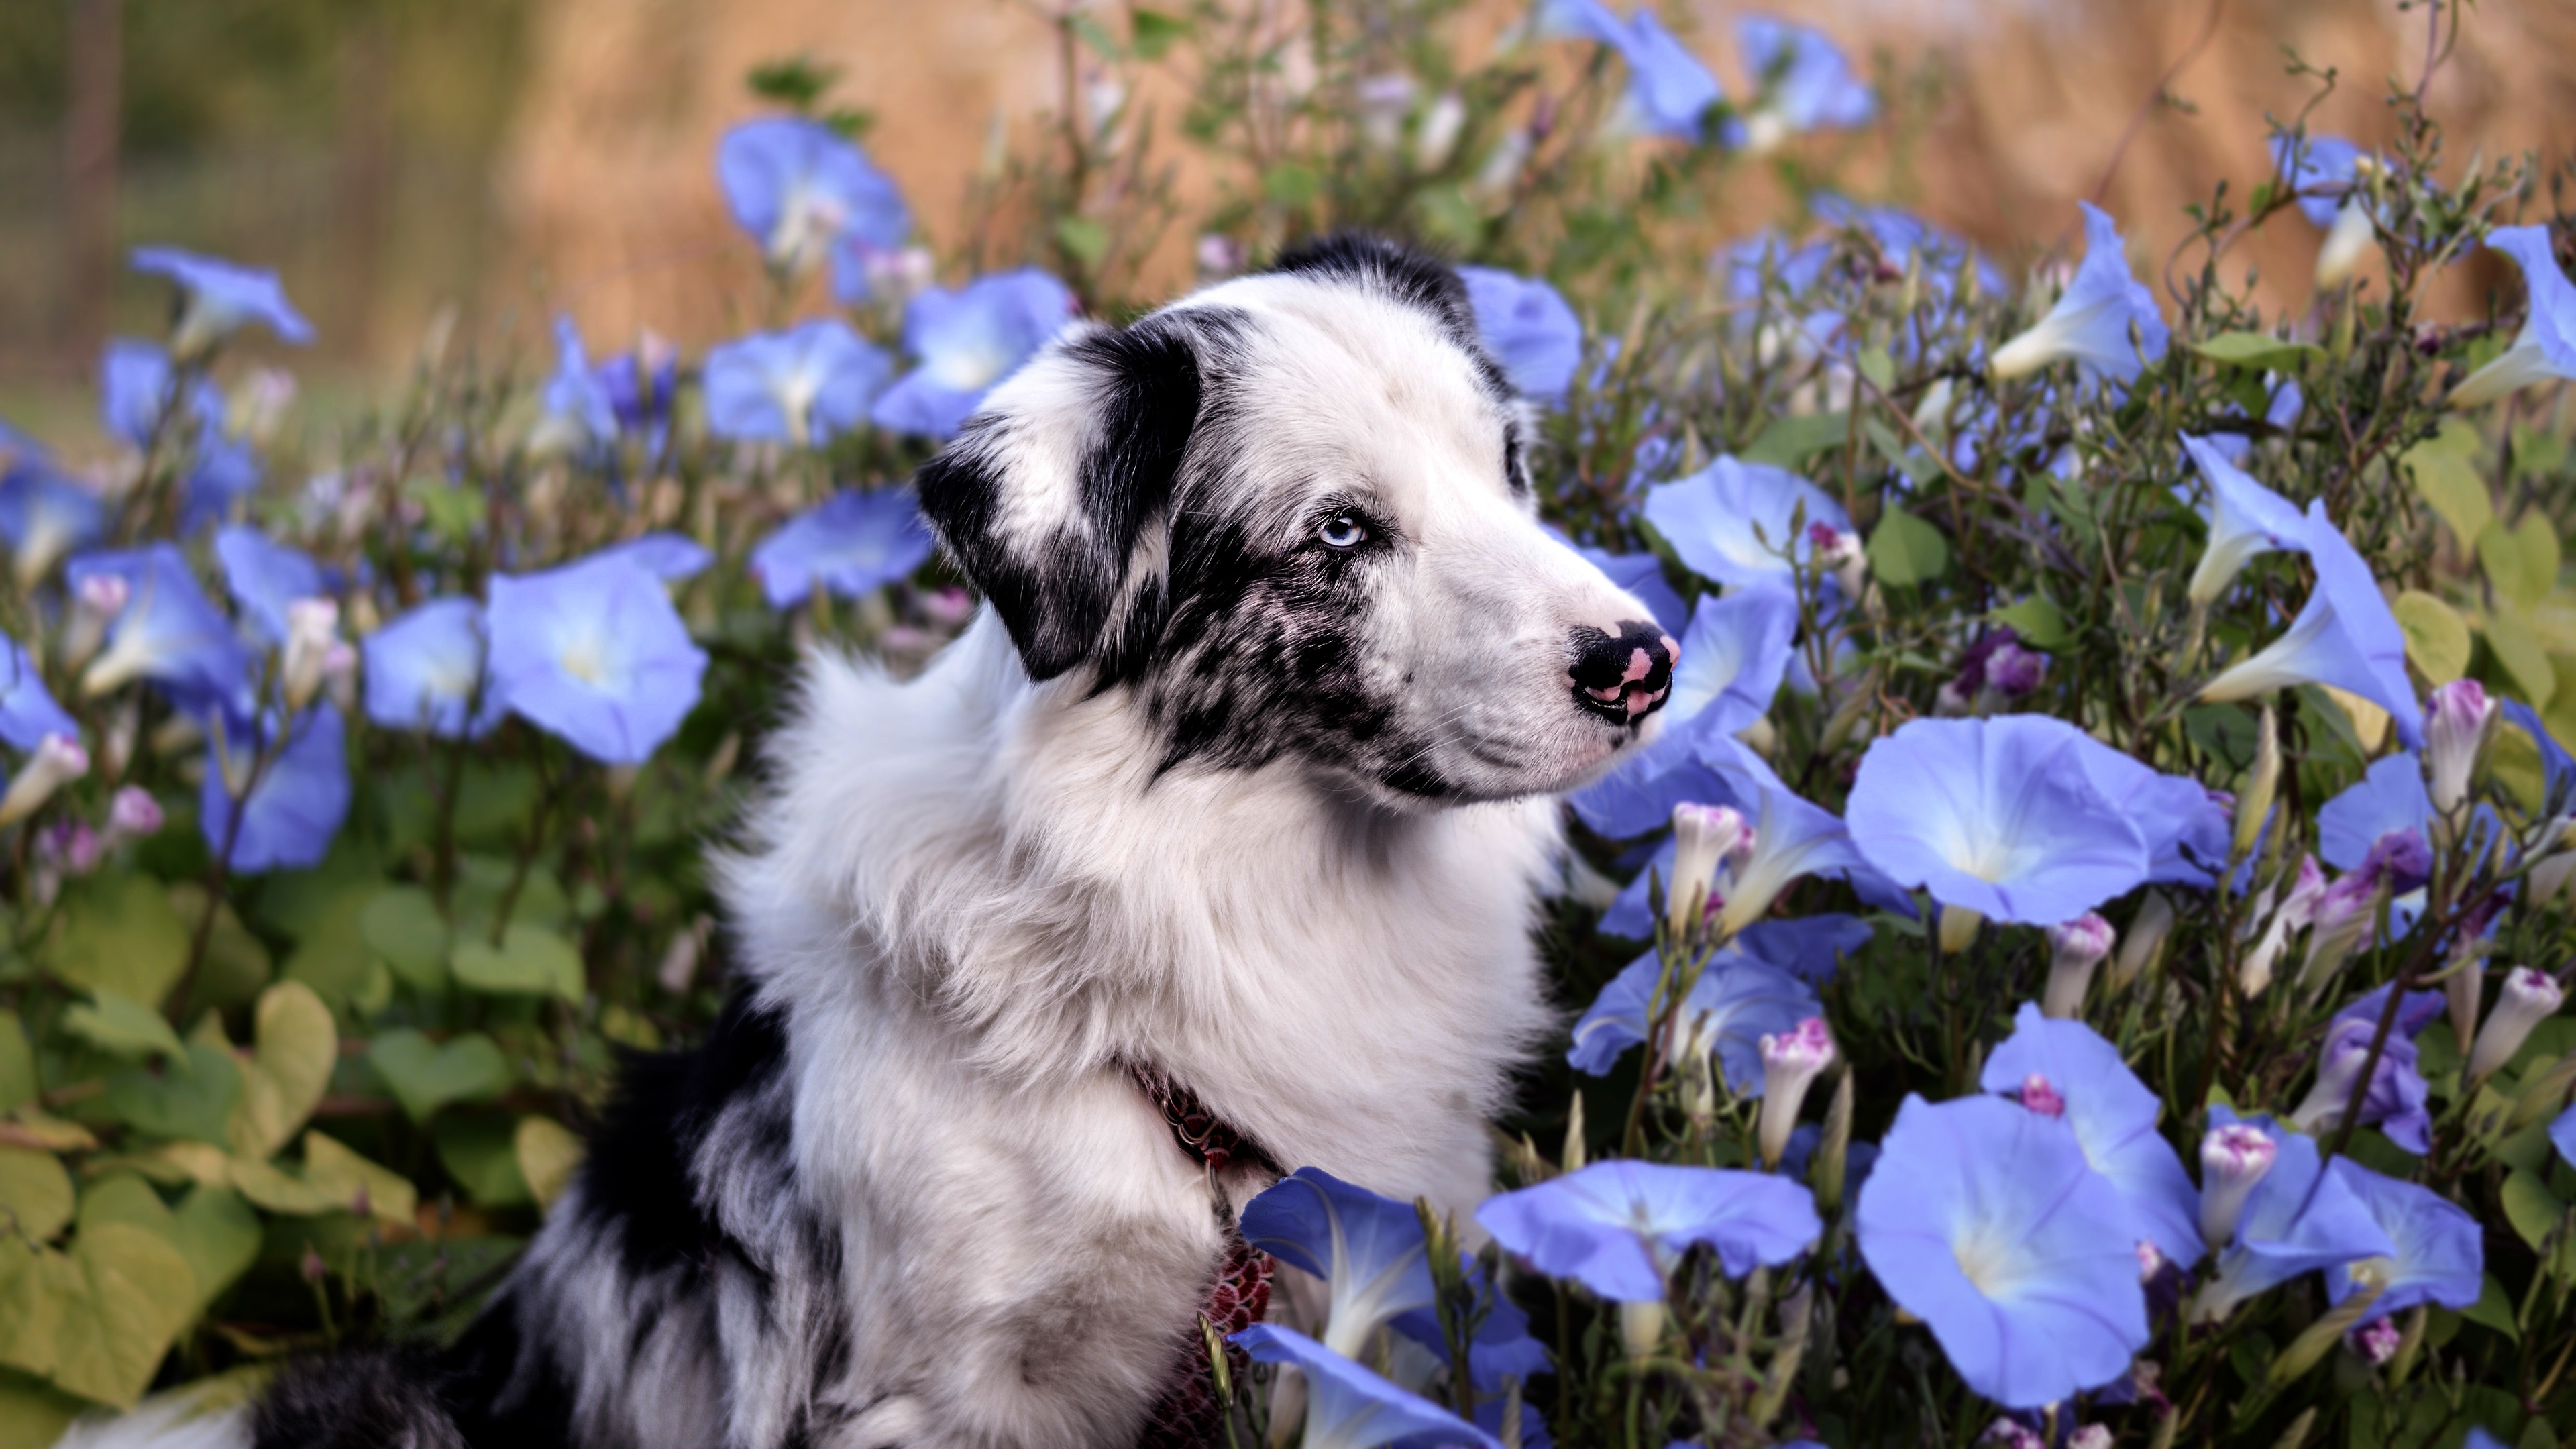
[(1623, 677)]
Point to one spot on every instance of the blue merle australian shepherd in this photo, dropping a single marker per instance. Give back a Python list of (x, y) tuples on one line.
[(1208, 850)]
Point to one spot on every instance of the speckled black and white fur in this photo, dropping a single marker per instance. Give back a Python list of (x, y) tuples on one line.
[(1245, 771)]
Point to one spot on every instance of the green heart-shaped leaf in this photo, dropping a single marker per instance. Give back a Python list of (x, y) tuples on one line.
[(118, 933), (295, 1046), (477, 1150), (425, 1076), (191, 1097), (35, 1193), (122, 1026), (530, 961), (402, 926)]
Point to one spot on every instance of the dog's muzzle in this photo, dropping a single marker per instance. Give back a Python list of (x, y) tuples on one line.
[(1623, 677)]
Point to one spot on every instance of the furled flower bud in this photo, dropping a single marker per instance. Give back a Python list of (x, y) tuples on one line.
[(2369, 1278), (95, 605), (2464, 989), (2375, 1342), (2556, 850), (1839, 550), (1791, 1062), (2343, 915), (132, 814), (1641, 1327), (2145, 940), (70, 845), (58, 760), (2151, 1260), (2254, 973), (2528, 998), (2232, 1159), (2009, 1434), (1703, 835), (2260, 789), (312, 636), (2040, 1095), (2012, 672), (2091, 1436), (2077, 946), (2455, 733), (1958, 928)]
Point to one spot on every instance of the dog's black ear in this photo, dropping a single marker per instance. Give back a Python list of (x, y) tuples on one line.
[(1056, 500)]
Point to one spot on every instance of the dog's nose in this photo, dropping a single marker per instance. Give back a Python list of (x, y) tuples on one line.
[(1623, 676)]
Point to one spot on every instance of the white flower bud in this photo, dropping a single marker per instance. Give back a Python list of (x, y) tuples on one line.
[(58, 760), (2232, 1159), (1791, 1062), (2529, 997), (1703, 837), (95, 605), (312, 634), (2455, 733), (2077, 946)]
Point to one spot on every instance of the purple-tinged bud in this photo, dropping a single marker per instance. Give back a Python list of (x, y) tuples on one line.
[(2339, 1064), (2091, 1436), (2009, 1434), (132, 813), (1952, 702), (2305, 893), (2151, 1260), (1702, 836), (95, 605), (2456, 730), (2232, 1159), (1839, 550), (59, 760), (2254, 973), (2528, 998), (2038, 1094), (2012, 672), (2376, 1342), (2403, 858), (1791, 1062), (2343, 915), (2076, 947)]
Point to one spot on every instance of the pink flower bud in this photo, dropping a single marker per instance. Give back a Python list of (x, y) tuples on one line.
[(2529, 997), (2232, 1159), (1791, 1062), (1702, 837), (2376, 1341), (133, 813), (2076, 947), (2041, 1096), (2455, 732)]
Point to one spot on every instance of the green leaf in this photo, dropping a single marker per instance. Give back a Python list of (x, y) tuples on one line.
[(1290, 184), (2535, 1213), (453, 511), (548, 1153), (1879, 368), (2257, 352), (1101, 41), (2493, 1309), (2038, 622), (33, 1412), (336, 1169), (331, 953), (18, 1084), (2437, 638), (2522, 657), (425, 1077), (220, 1236), (35, 1192), (1151, 32), (1083, 237), (2445, 473), (122, 1027), (117, 933), (401, 924), (294, 1046), (530, 960), (1903, 549), (2224, 732), (477, 1150), (1790, 441), (191, 1097), (236, 965), (96, 1320), (2521, 562)]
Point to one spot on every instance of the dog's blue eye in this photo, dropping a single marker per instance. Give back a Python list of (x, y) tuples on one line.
[(1343, 531)]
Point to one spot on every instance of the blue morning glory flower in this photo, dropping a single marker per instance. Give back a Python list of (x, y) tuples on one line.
[(967, 340), (136, 383), (1751, 261), (1733, 1005), (167, 631), (1502, 1345), (1996, 816), (2441, 1253), (2562, 1135), (2092, 320), (1618, 1227), (1741, 523), (2113, 1116), (671, 557), (593, 652), (265, 577), (2316, 162), (1642, 576), (800, 385), (576, 400), (1903, 236), (2344, 636), (2397, 1100), (2390, 796), (2184, 825), (1983, 1218), (1810, 948), (221, 473), (422, 669), (799, 187), (2545, 349), (1348, 1407), (1804, 82), (852, 543), (222, 298), (2302, 1216), (45, 514), (1528, 328), (2245, 519), (28, 712), (1669, 91), (1792, 837), (295, 804), (1636, 798), (1732, 660), (1368, 1249)]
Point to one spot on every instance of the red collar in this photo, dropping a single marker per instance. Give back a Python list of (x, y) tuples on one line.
[(1206, 1137)]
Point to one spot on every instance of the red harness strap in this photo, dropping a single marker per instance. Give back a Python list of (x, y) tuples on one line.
[(1188, 1415)]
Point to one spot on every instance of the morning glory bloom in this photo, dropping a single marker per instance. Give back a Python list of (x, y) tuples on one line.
[(1732, 659), (135, 384), (1804, 83), (593, 652), (295, 804), (2302, 1216), (2245, 519), (966, 341), (1903, 236), (44, 515), (1528, 328), (221, 474), (671, 557), (1735, 1003), (2324, 170), (578, 409), (2092, 321), (852, 543), (2545, 349), (1618, 1227), (2389, 797), (2113, 1116), (266, 579), (1742, 523), (2562, 1135), (2184, 825), (1669, 91), (2344, 636), (1502, 1345), (1997, 816), (28, 712), (1368, 1249), (1348, 1407), (799, 187), (422, 669), (800, 385), (1983, 1219), (221, 298), (1791, 837), (167, 631), (2441, 1254)]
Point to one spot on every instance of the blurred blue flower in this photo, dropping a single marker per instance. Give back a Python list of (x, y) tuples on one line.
[(1802, 82), (265, 576), (2397, 1102), (1669, 91), (1749, 262), (1902, 236), (2184, 825), (1368, 1249), (220, 474), (1730, 1008), (1348, 1407), (593, 652), (1502, 1344), (2092, 320), (671, 557), (167, 632), (2389, 797), (1983, 1219), (578, 409), (2562, 1135), (221, 298), (422, 669), (1642, 576), (640, 385), (2113, 1116), (136, 383), (2344, 636), (2313, 165), (1619, 1227), (45, 514), (2302, 1216), (1732, 659), (801, 385), (2441, 1253), (1998, 816), (802, 190), (852, 543), (1741, 523), (2245, 519), (2557, 766), (1529, 329), (1807, 947), (2288, 401), (2545, 349), (295, 803), (966, 341), (28, 712)]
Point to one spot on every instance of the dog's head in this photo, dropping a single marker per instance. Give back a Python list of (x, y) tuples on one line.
[(1291, 514)]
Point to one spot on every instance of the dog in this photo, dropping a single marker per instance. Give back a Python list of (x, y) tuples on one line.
[(1210, 847)]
